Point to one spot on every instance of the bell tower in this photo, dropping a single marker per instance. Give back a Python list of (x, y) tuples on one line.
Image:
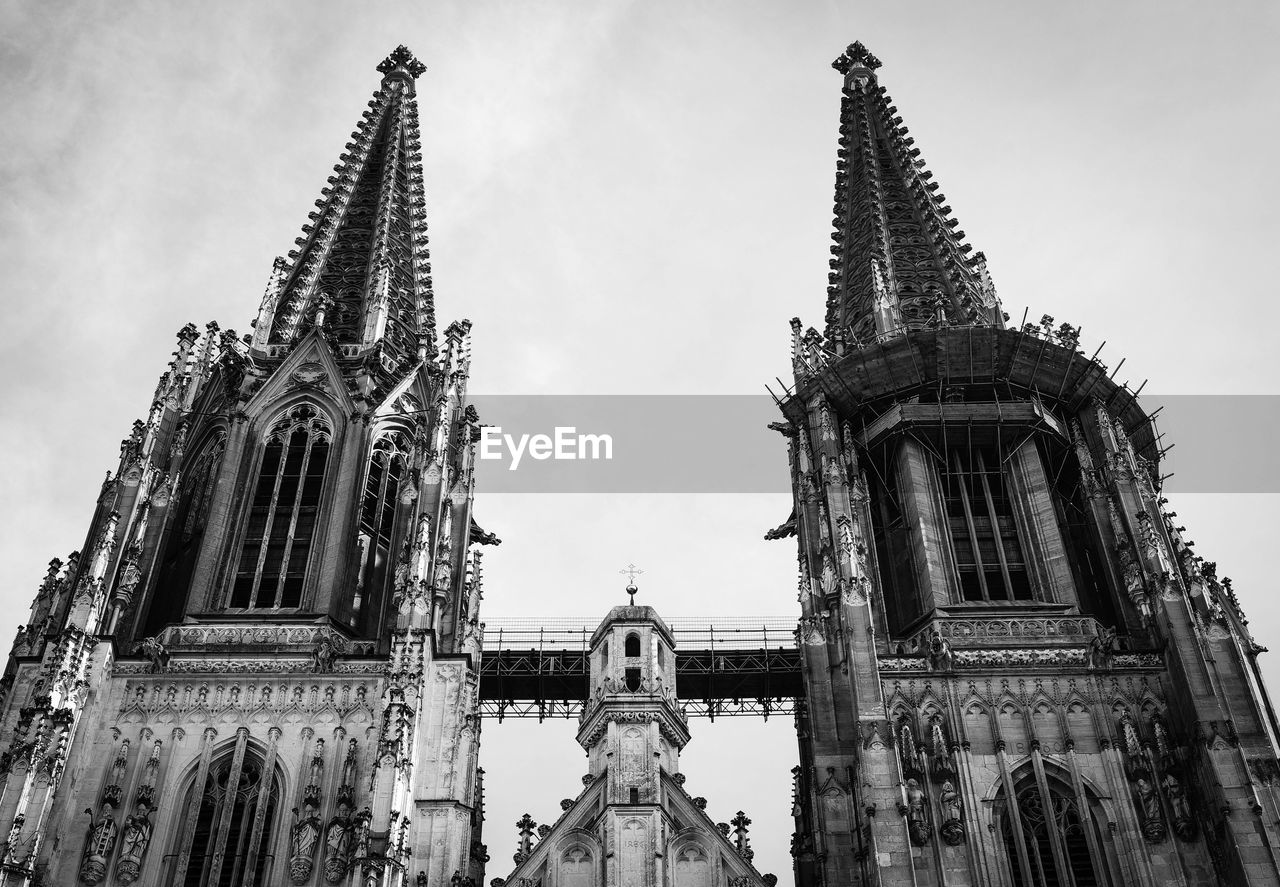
[(263, 666), (1016, 671)]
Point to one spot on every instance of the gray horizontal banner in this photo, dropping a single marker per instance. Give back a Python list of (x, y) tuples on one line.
[(721, 443)]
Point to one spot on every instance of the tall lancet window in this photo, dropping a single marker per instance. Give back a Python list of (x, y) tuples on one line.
[(1054, 850), (199, 478), (387, 465), (984, 531), (282, 518), (225, 829)]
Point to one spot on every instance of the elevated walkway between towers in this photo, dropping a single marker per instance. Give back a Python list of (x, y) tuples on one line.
[(744, 665)]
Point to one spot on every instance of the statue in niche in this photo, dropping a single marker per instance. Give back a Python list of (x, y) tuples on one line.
[(337, 843), (1184, 826), (830, 583), (99, 843), (137, 835), (1153, 828), (917, 813), (952, 830), (302, 845)]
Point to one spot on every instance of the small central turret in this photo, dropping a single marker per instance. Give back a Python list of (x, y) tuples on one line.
[(634, 825), (632, 727)]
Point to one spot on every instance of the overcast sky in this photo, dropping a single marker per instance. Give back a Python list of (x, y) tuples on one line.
[(626, 197)]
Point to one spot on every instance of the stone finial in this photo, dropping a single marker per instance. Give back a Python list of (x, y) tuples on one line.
[(856, 56), (741, 842), (401, 60)]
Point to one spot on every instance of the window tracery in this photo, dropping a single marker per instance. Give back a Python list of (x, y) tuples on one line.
[(228, 805), (1054, 835), (283, 514)]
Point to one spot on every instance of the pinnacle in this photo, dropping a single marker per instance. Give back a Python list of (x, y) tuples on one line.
[(401, 60), (856, 56)]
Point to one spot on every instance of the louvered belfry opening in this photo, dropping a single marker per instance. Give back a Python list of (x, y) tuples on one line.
[(984, 534), (378, 510), (282, 519), (177, 568)]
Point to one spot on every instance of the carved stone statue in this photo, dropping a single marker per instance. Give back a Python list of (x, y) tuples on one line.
[(337, 844), (302, 846), (1101, 648), (917, 812), (99, 843), (155, 651), (952, 829), (1184, 826), (322, 658), (940, 655), (137, 835), (1153, 827)]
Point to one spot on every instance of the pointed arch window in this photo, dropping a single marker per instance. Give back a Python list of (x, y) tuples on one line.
[(234, 813), (1057, 839), (200, 478), (283, 515), (388, 466)]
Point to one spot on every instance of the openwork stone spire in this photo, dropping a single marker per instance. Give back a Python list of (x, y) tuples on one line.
[(898, 261), (362, 269)]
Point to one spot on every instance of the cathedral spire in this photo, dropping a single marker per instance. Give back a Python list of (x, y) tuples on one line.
[(898, 260), (361, 269)]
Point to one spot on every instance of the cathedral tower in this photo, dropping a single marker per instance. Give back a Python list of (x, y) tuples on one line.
[(262, 668), (1016, 670)]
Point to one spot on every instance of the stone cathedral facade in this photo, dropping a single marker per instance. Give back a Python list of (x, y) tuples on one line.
[(263, 665)]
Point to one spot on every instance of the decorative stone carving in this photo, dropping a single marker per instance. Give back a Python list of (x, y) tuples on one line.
[(322, 659), (137, 835), (337, 843), (1102, 649), (1184, 824), (952, 829), (156, 653), (916, 810), (302, 845), (99, 844), (940, 655)]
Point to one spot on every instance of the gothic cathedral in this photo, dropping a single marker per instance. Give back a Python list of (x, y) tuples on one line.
[(265, 665)]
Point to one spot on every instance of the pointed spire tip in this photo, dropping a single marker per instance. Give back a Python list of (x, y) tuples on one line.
[(401, 61), (856, 56)]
